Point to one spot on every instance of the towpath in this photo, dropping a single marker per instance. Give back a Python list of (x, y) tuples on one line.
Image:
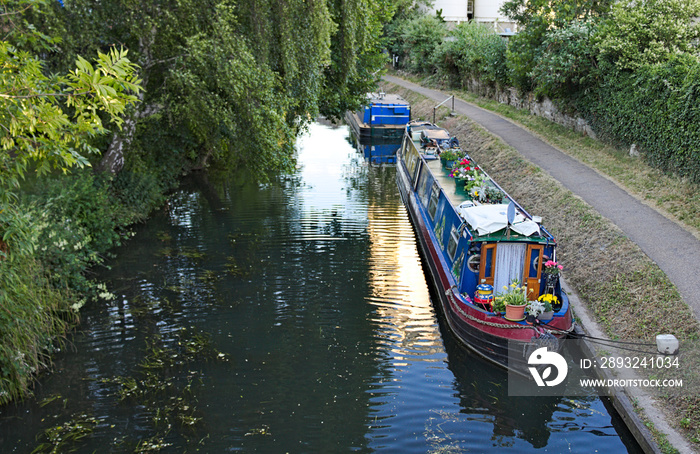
[(674, 249)]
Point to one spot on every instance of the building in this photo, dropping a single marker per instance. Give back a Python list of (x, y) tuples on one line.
[(483, 11)]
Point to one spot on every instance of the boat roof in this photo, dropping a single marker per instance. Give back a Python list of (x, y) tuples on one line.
[(386, 98), (486, 221), (429, 130)]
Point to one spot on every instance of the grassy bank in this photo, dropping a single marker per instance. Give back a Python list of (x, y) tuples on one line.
[(52, 233), (629, 295)]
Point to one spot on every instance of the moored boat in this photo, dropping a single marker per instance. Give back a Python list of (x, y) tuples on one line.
[(482, 248), (383, 117)]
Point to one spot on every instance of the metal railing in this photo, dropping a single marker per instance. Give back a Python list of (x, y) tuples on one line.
[(453, 106)]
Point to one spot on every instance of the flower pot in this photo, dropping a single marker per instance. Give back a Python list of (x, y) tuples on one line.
[(515, 313), (546, 315), (446, 164)]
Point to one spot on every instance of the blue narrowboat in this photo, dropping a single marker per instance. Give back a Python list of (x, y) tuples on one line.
[(383, 117), (481, 247)]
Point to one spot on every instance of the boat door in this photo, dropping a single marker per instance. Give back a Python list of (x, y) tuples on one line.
[(487, 267), (533, 269)]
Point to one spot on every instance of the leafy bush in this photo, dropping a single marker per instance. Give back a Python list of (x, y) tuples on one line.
[(75, 225), (567, 63), (421, 38), (474, 51), (34, 313), (641, 33)]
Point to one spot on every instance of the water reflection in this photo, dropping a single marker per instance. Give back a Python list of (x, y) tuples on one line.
[(312, 291)]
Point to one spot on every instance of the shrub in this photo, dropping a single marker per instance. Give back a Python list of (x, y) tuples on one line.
[(657, 108), (566, 64), (421, 38), (33, 313), (474, 52)]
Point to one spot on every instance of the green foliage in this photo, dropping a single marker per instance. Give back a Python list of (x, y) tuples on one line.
[(655, 107), (567, 63), (649, 32), (403, 11), (137, 194), (236, 81), (33, 316), (475, 52), (420, 39), (48, 120), (536, 18), (357, 55), (74, 224), (221, 92)]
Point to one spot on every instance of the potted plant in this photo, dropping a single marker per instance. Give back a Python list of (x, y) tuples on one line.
[(541, 309), (551, 273), (515, 299), (463, 169), (499, 306), (551, 304), (449, 156), (493, 195)]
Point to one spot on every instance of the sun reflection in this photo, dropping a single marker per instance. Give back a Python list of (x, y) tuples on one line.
[(398, 286)]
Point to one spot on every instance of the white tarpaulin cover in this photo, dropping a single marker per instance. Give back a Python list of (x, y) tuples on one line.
[(492, 218)]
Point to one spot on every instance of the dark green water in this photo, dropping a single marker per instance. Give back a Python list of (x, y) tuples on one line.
[(289, 317)]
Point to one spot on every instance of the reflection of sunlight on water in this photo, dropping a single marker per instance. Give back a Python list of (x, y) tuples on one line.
[(397, 285)]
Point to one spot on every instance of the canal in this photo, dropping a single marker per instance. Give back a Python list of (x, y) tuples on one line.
[(287, 317)]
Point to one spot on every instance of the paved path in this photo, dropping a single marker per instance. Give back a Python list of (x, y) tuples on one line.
[(674, 249)]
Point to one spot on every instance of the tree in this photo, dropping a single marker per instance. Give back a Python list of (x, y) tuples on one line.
[(535, 19), (639, 33), (474, 52), (421, 37), (567, 63), (286, 62), (48, 120)]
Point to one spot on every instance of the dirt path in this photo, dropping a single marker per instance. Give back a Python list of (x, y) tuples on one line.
[(674, 249)]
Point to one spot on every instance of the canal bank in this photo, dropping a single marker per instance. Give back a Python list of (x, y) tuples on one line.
[(574, 173)]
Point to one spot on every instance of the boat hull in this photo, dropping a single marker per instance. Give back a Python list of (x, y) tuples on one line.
[(367, 132)]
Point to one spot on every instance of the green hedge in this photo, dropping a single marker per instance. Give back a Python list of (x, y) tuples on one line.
[(656, 107)]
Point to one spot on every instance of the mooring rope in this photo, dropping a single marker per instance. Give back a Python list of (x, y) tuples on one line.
[(619, 344)]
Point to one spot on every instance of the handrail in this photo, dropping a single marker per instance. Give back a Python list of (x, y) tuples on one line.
[(453, 106)]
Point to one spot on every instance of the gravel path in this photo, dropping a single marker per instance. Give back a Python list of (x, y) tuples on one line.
[(671, 247)]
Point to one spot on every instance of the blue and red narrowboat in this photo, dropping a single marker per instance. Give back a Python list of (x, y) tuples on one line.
[(479, 245)]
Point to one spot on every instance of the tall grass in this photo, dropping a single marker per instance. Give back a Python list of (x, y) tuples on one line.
[(34, 317)]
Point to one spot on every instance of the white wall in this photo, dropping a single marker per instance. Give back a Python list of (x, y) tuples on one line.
[(452, 10), (486, 11)]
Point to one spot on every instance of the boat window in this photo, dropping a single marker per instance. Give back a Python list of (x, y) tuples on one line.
[(452, 243), (434, 195), (457, 267), (423, 186), (411, 158)]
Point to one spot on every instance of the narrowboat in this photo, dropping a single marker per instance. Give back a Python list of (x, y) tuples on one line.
[(383, 117), (481, 247)]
